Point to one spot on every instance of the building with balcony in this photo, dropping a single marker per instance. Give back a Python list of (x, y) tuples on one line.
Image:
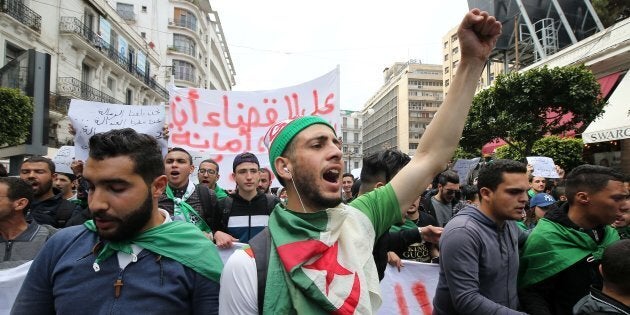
[(189, 38), (397, 115), (351, 139), (95, 55)]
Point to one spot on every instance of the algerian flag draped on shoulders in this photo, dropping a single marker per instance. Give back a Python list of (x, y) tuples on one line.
[(321, 263)]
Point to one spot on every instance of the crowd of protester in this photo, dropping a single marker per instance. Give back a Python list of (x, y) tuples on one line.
[(129, 231)]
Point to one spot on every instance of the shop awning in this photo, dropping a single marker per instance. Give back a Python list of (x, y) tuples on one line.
[(614, 124)]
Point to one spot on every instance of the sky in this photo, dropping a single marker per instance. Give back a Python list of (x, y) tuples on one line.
[(280, 43)]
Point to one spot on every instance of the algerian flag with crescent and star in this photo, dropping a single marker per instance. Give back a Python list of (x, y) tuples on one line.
[(321, 263)]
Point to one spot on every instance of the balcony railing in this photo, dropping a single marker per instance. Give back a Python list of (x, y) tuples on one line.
[(68, 86), (186, 76), (188, 50), (187, 23), (75, 26), (22, 13)]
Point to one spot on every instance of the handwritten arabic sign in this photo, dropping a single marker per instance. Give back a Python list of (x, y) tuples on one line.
[(89, 118), (409, 291), (463, 168), (543, 166), (63, 159), (223, 122)]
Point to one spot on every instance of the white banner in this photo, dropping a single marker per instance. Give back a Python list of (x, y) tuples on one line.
[(10, 283), (221, 124), (409, 291), (543, 166), (89, 118)]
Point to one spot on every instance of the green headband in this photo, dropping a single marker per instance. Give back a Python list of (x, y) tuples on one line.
[(285, 132)]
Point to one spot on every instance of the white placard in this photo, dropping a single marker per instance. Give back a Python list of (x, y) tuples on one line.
[(409, 291), (543, 166), (463, 168), (63, 159), (10, 283), (89, 118)]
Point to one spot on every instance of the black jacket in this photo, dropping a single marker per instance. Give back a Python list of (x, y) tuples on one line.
[(54, 211)]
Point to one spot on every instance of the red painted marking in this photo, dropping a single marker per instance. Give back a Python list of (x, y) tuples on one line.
[(400, 299), (420, 293)]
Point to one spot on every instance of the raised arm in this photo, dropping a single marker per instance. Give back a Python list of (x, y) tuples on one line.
[(477, 34)]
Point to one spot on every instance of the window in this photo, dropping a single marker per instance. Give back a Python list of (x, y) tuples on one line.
[(110, 83), (356, 165), (445, 45), (446, 82), (129, 97), (125, 10), (455, 50), (143, 35), (356, 150), (445, 70), (11, 52), (345, 136), (185, 18), (356, 123), (445, 57), (144, 9), (184, 70), (345, 123), (184, 44)]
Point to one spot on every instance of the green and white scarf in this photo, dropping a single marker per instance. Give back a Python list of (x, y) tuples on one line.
[(185, 212), (177, 240)]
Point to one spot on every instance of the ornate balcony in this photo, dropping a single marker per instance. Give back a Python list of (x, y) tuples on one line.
[(73, 25), (22, 13), (68, 86)]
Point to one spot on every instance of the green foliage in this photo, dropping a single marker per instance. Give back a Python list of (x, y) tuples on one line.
[(16, 114), (611, 11), (566, 152), (516, 107), (460, 153)]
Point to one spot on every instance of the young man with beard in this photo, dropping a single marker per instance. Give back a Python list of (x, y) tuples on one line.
[(246, 211), (49, 206), (184, 200), (560, 259), (132, 258), (208, 175), (21, 240), (264, 183), (479, 246), (440, 206), (320, 256)]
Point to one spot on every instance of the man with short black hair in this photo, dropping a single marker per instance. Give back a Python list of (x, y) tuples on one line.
[(560, 259), (614, 298), (49, 206), (184, 200), (21, 240), (479, 246), (441, 205), (65, 183), (208, 174), (131, 258), (265, 180), (245, 212), (347, 180), (319, 250)]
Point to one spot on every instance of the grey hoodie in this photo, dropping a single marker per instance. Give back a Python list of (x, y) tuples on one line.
[(478, 266)]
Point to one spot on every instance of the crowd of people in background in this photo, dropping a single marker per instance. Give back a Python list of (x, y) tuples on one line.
[(506, 241)]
